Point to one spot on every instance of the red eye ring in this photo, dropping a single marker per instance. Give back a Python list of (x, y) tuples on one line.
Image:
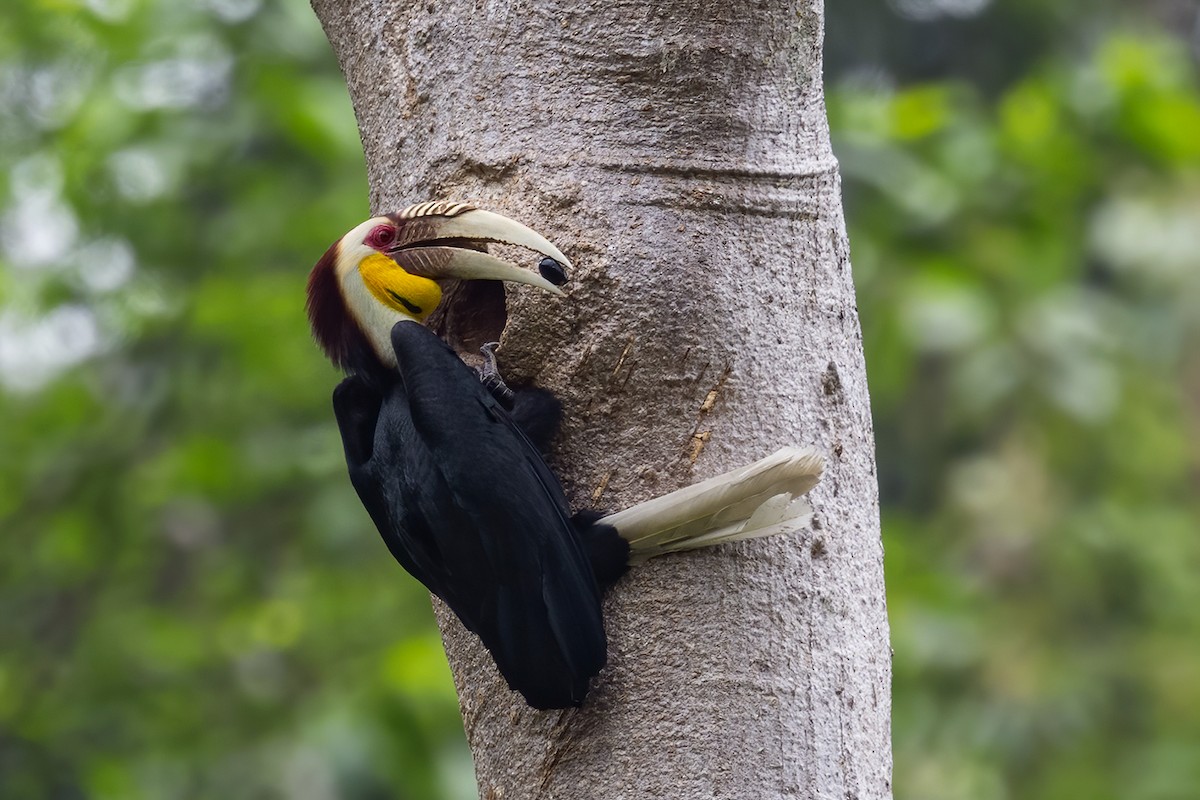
[(381, 237)]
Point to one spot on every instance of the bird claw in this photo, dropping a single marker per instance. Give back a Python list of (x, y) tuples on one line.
[(489, 376)]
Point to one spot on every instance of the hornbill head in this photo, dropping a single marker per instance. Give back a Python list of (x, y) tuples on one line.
[(387, 269)]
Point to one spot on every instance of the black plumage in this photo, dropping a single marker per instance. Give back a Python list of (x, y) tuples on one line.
[(449, 464), (466, 503)]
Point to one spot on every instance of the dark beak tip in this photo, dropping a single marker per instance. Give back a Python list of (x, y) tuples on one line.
[(552, 271)]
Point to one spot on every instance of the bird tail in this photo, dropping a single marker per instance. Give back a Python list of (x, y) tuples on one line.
[(761, 499)]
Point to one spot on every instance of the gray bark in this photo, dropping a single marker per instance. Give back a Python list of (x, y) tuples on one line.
[(679, 153)]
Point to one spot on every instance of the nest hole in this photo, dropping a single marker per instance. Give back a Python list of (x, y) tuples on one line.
[(471, 314)]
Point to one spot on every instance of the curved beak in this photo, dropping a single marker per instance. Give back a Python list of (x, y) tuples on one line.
[(444, 240)]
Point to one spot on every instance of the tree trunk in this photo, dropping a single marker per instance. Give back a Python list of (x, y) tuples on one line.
[(679, 154)]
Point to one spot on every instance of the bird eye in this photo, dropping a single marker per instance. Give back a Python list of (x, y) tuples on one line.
[(381, 236)]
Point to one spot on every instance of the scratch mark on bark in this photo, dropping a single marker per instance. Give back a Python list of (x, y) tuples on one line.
[(628, 375), (624, 355), (711, 398), (697, 439), (598, 492)]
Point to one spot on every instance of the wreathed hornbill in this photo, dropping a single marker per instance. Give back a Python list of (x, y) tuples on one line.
[(449, 466)]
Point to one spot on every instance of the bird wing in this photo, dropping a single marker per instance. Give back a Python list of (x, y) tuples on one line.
[(467, 505)]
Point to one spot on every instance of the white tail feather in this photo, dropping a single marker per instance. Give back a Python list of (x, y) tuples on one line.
[(761, 499)]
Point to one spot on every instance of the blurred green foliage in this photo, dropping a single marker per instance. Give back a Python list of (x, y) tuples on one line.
[(192, 604), (1029, 280)]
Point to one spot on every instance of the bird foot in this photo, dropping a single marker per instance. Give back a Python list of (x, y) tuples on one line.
[(489, 376)]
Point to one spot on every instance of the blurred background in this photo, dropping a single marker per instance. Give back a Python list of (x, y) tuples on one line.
[(187, 610)]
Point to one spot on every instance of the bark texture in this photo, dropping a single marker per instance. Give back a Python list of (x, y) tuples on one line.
[(679, 153)]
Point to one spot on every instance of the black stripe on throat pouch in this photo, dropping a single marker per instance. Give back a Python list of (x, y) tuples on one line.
[(408, 305)]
